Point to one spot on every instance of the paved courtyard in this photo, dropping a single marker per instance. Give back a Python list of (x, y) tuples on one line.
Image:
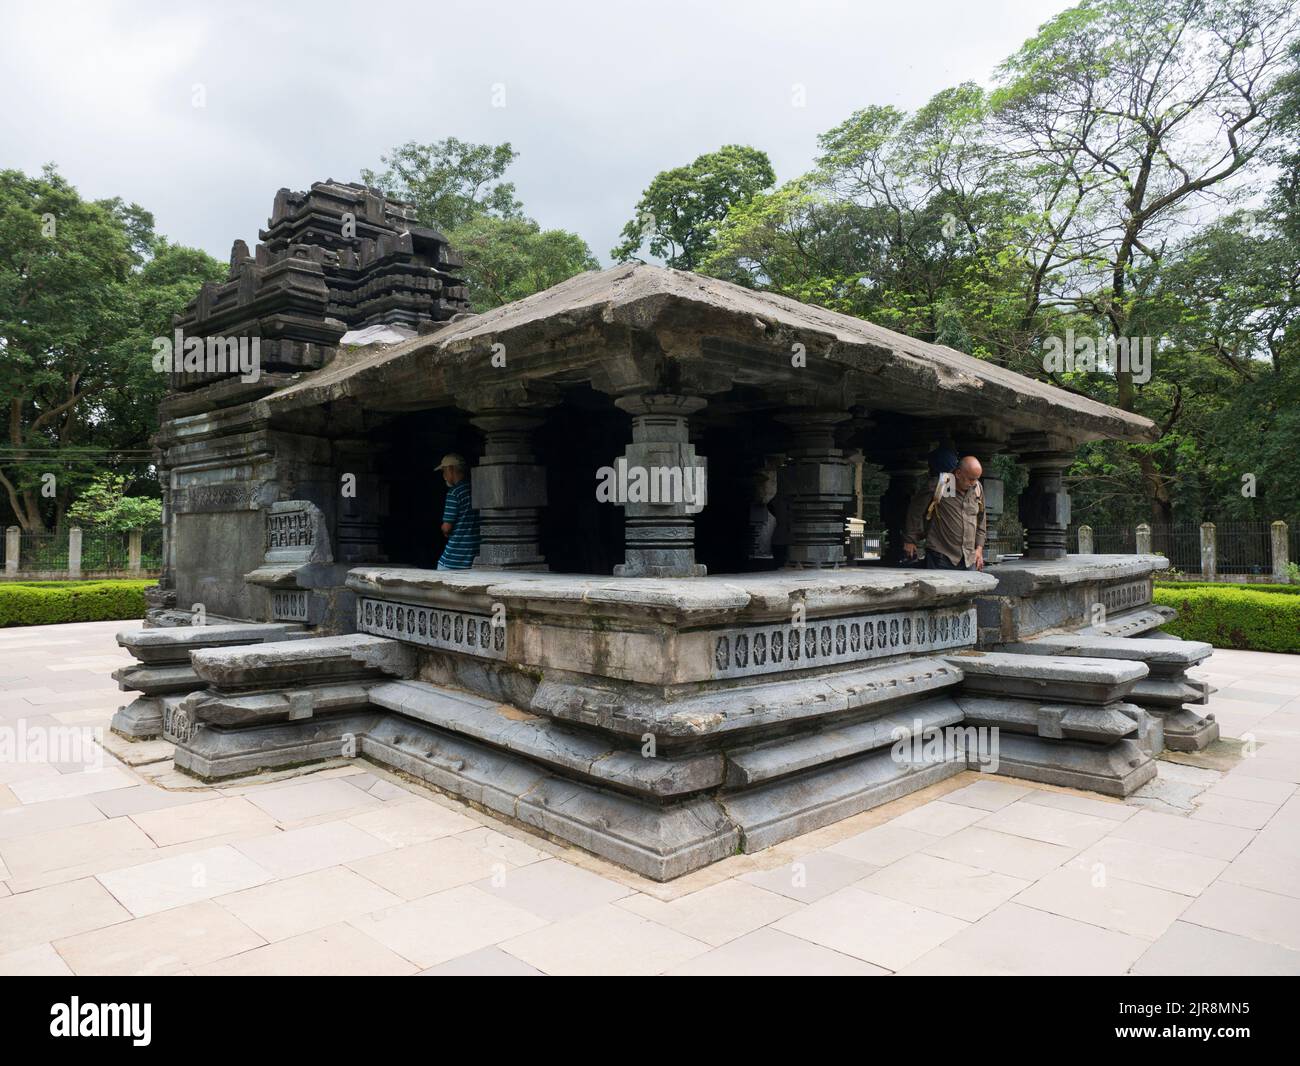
[(111, 862)]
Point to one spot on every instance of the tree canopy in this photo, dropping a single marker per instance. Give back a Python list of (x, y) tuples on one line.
[(84, 288)]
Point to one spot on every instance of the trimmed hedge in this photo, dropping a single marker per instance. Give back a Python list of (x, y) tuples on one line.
[(1290, 590), (43, 603), (1229, 616)]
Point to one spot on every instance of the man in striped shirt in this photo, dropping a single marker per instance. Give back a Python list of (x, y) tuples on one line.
[(459, 519)]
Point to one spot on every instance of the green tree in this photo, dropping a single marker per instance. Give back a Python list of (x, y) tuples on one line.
[(1145, 111), (105, 504), (507, 259), (449, 182), (910, 221), (460, 190), (84, 287), (680, 209)]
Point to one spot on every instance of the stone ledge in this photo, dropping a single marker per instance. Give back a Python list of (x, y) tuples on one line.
[(547, 742), (173, 644), (1022, 577), (1171, 655), (309, 661), (1116, 770), (698, 601), (722, 711), (1069, 679)]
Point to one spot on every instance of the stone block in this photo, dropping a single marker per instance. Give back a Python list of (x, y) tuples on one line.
[(1067, 679), (1118, 769), (316, 659)]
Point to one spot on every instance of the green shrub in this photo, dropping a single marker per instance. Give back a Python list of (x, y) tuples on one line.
[(1234, 616), (1293, 590), (42, 603)]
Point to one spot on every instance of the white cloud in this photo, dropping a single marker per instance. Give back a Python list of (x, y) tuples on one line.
[(599, 96)]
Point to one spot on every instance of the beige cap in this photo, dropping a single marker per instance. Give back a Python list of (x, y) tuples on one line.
[(452, 459)]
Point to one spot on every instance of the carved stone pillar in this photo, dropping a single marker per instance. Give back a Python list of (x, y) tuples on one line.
[(661, 486), (508, 489), (762, 522), (818, 484), (1045, 505)]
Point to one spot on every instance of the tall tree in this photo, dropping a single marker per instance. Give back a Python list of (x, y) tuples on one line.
[(460, 189), (84, 287), (679, 210), (449, 182), (1142, 112)]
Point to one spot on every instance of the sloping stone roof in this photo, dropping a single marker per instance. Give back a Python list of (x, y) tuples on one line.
[(682, 309)]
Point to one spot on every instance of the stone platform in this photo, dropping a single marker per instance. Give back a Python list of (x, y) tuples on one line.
[(667, 723)]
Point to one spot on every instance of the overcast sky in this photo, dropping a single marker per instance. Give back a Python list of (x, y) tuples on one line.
[(598, 97)]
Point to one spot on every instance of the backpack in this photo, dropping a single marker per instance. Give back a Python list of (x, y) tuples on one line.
[(940, 483)]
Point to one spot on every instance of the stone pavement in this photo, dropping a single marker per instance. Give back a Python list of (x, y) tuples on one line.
[(115, 865)]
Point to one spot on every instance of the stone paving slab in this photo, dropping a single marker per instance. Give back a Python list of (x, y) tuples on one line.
[(131, 867)]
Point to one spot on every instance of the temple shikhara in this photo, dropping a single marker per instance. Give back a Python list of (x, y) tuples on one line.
[(664, 681)]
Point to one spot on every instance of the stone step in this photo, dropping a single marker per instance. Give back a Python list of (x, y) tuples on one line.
[(1142, 620), (778, 758), (660, 841), (311, 661), (729, 711), (1171, 692), (173, 644), (285, 705), (158, 679), (1165, 658), (1118, 769), (549, 742), (791, 806), (1101, 725), (1070, 679), (214, 753)]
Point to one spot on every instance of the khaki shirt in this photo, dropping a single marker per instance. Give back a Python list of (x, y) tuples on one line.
[(959, 525)]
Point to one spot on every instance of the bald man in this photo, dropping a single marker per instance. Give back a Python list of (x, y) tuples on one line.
[(949, 516)]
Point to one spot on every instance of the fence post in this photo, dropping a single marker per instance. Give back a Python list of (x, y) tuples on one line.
[(1143, 538), (1280, 559), (134, 541), (13, 544), (1085, 540), (74, 552), (1209, 553)]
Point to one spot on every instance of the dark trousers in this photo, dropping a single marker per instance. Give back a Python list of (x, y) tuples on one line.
[(939, 561)]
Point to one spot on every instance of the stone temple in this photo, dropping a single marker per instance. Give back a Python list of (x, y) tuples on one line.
[(661, 679)]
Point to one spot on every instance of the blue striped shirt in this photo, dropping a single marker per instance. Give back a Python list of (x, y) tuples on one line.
[(462, 545)]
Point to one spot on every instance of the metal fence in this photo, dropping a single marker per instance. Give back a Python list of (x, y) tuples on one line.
[(104, 551), (1240, 549), (151, 549), (42, 551), (72, 553)]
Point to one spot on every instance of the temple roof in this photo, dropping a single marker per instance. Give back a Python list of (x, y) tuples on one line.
[(575, 329)]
